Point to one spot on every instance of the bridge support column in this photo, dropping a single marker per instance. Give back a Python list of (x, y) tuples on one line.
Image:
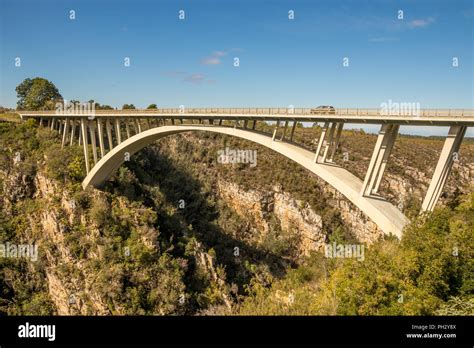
[(127, 129), (293, 130), (382, 149), (117, 131), (391, 141), (276, 130), (245, 124), (93, 141), (284, 131), (79, 136), (443, 168), (53, 123), (321, 141), (138, 128), (108, 128), (84, 143), (100, 134), (65, 130), (329, 141), (254, 124), (220, 122), (73, 130), (336, 141)]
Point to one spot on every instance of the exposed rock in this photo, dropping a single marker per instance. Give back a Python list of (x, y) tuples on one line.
[(17, 186), (207, 263), (299, 218), (296, 216)]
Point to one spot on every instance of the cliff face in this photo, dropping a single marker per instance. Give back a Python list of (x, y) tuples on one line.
[(73, 294), (89, 271), (295, 216)]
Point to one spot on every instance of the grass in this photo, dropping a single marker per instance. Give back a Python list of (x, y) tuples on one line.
[(10, 117)]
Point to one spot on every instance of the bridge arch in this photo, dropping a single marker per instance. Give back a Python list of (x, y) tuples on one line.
[(385, 215)]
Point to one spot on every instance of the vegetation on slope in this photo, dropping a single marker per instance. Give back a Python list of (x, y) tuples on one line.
[(430, 271), (135, 249)]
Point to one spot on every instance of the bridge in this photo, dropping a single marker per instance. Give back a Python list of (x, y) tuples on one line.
[(110, 137)]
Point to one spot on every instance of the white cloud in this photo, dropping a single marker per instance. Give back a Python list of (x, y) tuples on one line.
[(420, 23), (196, 78), (214, 58), (211, 61)]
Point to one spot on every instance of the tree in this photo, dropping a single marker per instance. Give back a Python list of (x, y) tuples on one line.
[(37, 94), (152, 106), (104, 107), (128, 106)]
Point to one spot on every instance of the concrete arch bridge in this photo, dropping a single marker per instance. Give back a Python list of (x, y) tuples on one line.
[(108, 137)]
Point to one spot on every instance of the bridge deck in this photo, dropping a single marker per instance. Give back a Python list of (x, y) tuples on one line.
[(438, 117)]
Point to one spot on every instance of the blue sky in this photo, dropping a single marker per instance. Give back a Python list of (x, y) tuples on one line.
[(191, 62)]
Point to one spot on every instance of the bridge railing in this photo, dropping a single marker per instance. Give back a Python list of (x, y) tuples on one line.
[(277, 111)]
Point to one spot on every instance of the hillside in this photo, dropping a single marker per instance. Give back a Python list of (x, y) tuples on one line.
[(176, 232)]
